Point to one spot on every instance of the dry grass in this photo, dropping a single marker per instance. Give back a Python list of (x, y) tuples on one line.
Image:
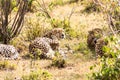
[(78, 65), (77, 68)]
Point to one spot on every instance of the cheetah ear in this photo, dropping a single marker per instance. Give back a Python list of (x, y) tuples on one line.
[(59, 29), (54, 30)]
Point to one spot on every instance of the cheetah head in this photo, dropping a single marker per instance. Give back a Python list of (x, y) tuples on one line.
[(59, 33), (93, 36)]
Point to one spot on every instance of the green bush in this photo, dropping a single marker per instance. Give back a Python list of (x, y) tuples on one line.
[(82, 47), (61, 2), (4, 65), (38, 55), (110, 69), (38, 75), (19, 43), (34, 32), (115, 14), (90, 7), (55, 3), (58, 61), (34, 29), (111, 49), (30, 3), (65, 24)]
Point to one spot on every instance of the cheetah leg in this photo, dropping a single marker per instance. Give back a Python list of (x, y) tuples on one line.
[(15, 56), (50, 53)]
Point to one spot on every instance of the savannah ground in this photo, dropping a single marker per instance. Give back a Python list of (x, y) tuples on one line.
[(78, 62)]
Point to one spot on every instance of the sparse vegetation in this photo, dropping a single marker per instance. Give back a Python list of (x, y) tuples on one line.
[(35, 56), (109, 70), (77, 18), (82, 47), (59, 61), (90, 7), (38, 75), (6, 65), (55, 3), (34, 29), (65, 24), (109, 64)]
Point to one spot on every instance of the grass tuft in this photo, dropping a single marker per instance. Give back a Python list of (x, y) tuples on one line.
[(6, 65)]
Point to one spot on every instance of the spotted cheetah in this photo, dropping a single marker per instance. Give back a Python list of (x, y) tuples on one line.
[(48, 43), (99, 47), (8, 52), (93, 36), (59, 33)]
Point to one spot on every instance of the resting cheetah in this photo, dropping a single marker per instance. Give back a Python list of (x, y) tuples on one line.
[(48, 43), (8, 52), (93, 36), (56, 32), (99, 46)]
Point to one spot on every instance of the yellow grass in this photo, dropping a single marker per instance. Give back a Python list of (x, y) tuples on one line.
[(78, 64)]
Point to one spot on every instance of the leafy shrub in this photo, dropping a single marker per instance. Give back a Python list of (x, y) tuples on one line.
[(117, 24), (111, 10), (111, 50), (37, 75), (90, 7), (37, 55), (34, 32), (61, 2), (109, 67), (32, 5), (82, 47), (34, 29), (60, 23), (116, 16), (29, 8), (65, 24), (114, 12), (55, 3), (7, 65), (13, 4), (72, 33), (19, 43), (58, 61)]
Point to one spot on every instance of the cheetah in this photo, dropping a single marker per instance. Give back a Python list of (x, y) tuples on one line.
[(99, 47), (48, 43), (93, 36), (59, 33), (8, 52)]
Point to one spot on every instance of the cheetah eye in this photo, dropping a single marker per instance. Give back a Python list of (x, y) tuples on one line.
[(62, 34)]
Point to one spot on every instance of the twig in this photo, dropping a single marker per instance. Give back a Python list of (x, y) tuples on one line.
[(44, 9), (72, 11), (109, 17)]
